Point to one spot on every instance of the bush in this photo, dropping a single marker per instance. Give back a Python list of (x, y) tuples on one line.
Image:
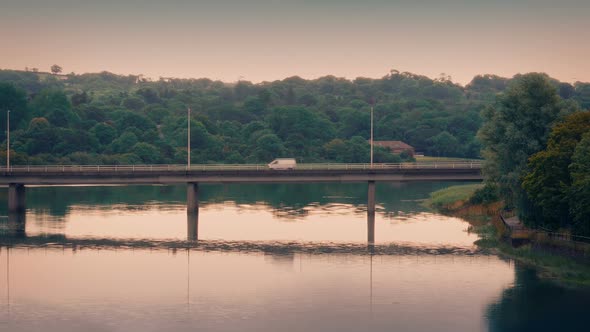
[(485, 195)]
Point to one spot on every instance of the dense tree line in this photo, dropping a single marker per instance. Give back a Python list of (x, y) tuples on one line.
[(536, 143), (111, 119)]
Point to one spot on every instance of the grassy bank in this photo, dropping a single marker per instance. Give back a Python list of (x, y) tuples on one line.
[(484, 220), (452, 198)]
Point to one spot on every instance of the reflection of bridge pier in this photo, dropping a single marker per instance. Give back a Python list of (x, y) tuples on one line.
[(371, 213), (16, 225), (192, 211), (16, 198), (192, 226)]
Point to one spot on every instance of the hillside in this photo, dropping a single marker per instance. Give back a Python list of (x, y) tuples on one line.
[(105, 118)]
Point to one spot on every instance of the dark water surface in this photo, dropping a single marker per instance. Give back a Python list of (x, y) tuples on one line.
[(261, 258)]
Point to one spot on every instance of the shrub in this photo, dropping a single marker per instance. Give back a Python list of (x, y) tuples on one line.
[(485, 195)]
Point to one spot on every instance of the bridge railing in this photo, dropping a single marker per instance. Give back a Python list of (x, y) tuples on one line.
[(235, 167)]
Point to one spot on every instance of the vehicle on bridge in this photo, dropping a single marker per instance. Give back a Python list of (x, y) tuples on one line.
[(283, 163)]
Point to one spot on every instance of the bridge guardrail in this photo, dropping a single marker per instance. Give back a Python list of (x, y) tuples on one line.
[(234, 167)]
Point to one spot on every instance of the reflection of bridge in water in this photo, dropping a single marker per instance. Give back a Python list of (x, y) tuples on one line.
[(62, 242), (20, 176)]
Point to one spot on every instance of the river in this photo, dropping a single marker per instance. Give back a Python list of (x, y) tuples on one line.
[(261, 258)]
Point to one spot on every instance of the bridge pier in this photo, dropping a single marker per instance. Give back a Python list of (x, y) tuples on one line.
[(16, 198), (192, 198), (371, 213)]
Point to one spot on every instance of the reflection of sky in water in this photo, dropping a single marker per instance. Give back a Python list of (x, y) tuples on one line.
[(126, 290), (262, 263), (259, 222)]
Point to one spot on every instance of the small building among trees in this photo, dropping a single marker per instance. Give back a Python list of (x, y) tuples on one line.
[(396, 147)]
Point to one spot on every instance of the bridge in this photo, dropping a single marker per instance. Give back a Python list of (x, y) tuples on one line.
[(18, 177)]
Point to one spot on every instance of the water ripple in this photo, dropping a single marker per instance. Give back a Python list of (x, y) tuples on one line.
[(275, 247)]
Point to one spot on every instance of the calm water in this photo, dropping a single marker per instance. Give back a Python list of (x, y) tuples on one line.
[(261, 258)]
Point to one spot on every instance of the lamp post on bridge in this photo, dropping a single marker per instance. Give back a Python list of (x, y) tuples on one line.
[(188, 139), (372, 136), (8, 140)]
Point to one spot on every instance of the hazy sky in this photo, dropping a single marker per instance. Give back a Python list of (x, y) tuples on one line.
[(260, 40)]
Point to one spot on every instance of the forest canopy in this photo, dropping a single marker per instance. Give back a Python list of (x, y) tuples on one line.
[(105, 118)]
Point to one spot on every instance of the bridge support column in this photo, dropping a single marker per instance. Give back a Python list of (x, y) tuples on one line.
[(16, 198), (371, 213), (192, 198)]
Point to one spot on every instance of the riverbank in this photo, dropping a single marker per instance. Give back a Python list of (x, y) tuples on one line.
[(484, 220)]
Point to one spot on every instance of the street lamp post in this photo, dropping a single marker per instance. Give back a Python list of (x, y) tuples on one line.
[(371, 136), (188, 139), (8, 140)]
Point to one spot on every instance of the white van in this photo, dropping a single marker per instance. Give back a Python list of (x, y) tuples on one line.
[(283, 163)]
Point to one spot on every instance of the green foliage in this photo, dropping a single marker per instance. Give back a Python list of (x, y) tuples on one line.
[(516, 127), (579, 193), (321, 120), (14, 100), (50, 100), (485, 195), (268, 147), (133, 103), (445, 144), (548, 182), (104, 133), (335, 149), (148, 153), (124, 143), (582, 94), (383, 155), (358, 150)]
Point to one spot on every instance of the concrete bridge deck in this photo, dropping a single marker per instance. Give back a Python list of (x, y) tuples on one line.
[(174, 174)]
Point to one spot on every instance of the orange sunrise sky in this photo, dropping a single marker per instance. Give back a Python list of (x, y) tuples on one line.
[(265, 40)]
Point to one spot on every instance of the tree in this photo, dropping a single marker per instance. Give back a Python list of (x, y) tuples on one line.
[(104, 133), (80, 98), (269, 147), (579, 193), (55, 69), (357, 151), (49, 100), (124, 143), (548, 183), (445, 144), (148, 153), (133, 103), (335, 150), (14, 100), (516, 127)]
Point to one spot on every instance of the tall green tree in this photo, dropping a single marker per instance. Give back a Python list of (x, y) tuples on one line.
[(516, 127), (269, 147), (548, 183), (14, 100), (579, 195)]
